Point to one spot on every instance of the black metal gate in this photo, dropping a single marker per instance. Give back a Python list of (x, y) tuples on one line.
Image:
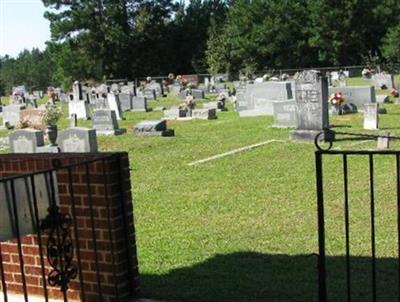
[(66, 229), (361, 275)]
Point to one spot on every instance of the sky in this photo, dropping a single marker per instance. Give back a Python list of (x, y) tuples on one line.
[(22, 26)]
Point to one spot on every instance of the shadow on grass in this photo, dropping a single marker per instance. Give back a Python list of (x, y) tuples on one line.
[(249, 276)]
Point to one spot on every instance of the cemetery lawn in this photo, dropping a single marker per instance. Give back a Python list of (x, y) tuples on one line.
[(244, 227)]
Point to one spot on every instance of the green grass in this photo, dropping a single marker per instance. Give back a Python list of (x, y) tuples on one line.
[(243, 227)]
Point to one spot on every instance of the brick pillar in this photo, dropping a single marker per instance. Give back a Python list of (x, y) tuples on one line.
[(97, 195)]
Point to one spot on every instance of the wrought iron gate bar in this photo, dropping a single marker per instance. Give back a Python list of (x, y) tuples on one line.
[(39, 237), (347, 226), (398, 219), (372, 204), (331, 137), (19, 244), (344, 156), (76, 233)]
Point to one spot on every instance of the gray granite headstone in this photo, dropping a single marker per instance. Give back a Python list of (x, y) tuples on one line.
[(80, 140), (158, 91), (198, 94), (23, 202), (153, 128), (80, 108), (105, 122), (11, 114), (358, 95), (175, 113), (382, 80), (77, 91), (311, 89), (259, 97), (114, 104), (204, 114), (139, 104), (26, 141), (125, 100), (285, 114), (210, 105), (371, 116), (383, 140), (150, 94)]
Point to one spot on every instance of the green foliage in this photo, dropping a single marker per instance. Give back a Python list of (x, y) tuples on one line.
[(31, 68), (301, 33), (390, 47), (52, 115)]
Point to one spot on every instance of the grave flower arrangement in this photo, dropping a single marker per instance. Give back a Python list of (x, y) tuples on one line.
[(394, 92), (336, 99), (52, 116)]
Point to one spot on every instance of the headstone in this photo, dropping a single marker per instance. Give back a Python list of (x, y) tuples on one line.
[(26, 141), (105, 122), (80, 108), (139, 104), (311, 90), (64, 98), (371, 117), (27, 217), (77, 91), (114, 104), (128, 89), (150, 94), (33, 117), (175, 113), (153, 128), (125, 101), (210, 105), (358, 95), (383, 140), (174, 89), (11, 114), (77, 139), (157, 89), (204, 114), (183, 94), (198, 94), (285, 115), (259, 97), (383, 80)]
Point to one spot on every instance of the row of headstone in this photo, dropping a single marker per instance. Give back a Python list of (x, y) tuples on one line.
[(178, 113), (153, 128), (258, 98), (383, 80), (69, 140)]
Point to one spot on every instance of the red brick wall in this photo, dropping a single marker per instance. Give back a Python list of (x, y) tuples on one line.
[(111, 215)]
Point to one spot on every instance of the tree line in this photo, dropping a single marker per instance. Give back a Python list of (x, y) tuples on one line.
[(94, 40)]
